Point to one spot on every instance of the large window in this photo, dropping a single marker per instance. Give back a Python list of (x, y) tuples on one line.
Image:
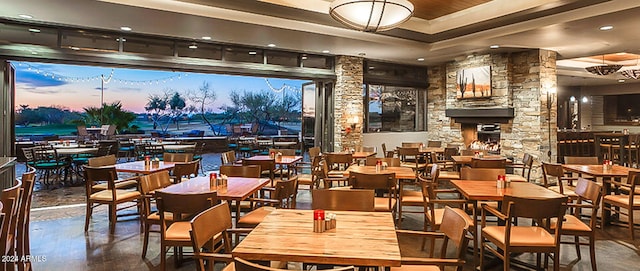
[(394, 109)]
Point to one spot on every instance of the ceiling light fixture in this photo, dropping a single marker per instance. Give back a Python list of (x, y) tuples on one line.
[(25, 16), (606, 27), (271, 45), (74, 48), (253, 52), (631, 74), (121, 39), (495, 46), (193, 46), (420, 59), (603, 69), (206, 38), (371, 15), (34, 30), (125, 28), (326, 51)]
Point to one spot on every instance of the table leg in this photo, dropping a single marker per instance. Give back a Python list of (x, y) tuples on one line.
[(475, 233), (606, 214)]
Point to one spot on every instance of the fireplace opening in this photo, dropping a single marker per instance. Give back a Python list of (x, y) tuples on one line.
[(482, 136)]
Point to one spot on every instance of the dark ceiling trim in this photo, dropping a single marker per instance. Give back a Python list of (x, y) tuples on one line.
[(481, 115)]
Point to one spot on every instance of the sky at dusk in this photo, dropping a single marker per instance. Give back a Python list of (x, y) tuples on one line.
[(75, 87)]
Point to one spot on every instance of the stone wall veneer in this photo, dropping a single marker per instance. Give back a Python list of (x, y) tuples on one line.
[(348, 102)]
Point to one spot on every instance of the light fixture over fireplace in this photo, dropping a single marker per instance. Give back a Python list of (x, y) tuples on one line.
[(371, 15)]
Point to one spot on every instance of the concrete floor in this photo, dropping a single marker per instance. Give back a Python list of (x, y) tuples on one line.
[(58, 239)]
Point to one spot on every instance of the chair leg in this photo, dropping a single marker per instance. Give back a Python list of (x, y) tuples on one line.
[(112, 219), (577, 241), (481, 254), (163, 258), (87, 216), (507, 262), (145, 245), (630, 215), (592, 252)]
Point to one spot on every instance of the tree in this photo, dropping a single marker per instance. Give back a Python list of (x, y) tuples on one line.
[(157, 105), (111, 114), (203, 97), (176, 106)]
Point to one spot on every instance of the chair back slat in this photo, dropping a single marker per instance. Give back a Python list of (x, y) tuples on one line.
[(343, 200), (209, 223), (183, 157), (392, 162), (107, 160), (185, 169), (481, 174), (252, 171), (193, 203)]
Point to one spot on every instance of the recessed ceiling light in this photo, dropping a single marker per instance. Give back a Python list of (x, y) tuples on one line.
[(372, 67), (606, 27), (621, 53), (495, 46), (304, 57), (420, 59), (34, 53), (271, 45), (325, 51), (193, 46), (125, 28), (121, 39), (620, 80), (25, 16), (253, 52), (585, 99), (206, 38), (34, 30), (74, 48)]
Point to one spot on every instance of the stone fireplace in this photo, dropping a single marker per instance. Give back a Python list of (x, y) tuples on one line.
[(480, 127)]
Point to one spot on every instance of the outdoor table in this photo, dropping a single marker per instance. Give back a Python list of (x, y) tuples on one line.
[(284, 144), (139, 168), (474, 191), (75, 151), (179, 147), (360, 239), (237, 189), (598, 171)]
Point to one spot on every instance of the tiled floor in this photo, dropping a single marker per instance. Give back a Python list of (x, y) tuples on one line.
[(57, 235)]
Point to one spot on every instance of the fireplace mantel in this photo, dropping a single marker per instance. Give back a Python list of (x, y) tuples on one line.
[(481, 115)]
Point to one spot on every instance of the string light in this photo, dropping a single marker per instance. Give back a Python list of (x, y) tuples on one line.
[(278, 90), (105, 79)]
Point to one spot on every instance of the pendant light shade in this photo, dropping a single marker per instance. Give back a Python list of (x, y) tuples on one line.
[(371, 15)]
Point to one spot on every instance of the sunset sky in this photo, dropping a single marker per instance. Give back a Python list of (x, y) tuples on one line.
[(75, 87)]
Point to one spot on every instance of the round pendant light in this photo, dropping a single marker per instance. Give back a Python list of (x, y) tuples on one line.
[(371, 15)]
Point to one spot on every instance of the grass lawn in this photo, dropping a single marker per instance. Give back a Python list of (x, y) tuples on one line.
[(56, 129)]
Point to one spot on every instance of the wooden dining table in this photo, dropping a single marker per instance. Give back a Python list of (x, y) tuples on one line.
[(360, 239), (474, 191), (288, 161), (466, 159), (598, 171), (237, 188), (401, 172), (139, 168)]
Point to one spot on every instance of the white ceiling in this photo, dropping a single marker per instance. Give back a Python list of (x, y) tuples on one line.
[(572, 33)]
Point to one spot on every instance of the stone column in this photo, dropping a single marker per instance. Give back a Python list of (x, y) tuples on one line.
[(549, 97), (348, 101)]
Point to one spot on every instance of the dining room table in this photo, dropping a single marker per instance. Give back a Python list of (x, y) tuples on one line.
[(282, 161), (606, 175), (401, 172), (236, 190), (139, 167), (359, 238), (474, 191)]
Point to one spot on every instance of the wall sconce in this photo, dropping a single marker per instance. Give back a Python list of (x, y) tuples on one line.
[(352, 121)]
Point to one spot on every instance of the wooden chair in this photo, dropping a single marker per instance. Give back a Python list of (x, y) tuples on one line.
[(268, 167), (481, 174), (252, 171), (174, 230), (111, 195), (100, 161), (312, 178), (228, 158), (23, 247), (589, 194), (454, 229), (82, 133), (148, 185), (434, 143), (207, 228), (488, 162), (581, 160), (338, 163), (386, 182), (242, 265), (328, 178), (10, 198), (525, 166), (282, 196), (415, 198), (519, 239), (552, 171), (411, 144), (107, 131), (392, 162), (367, 149), (47, 161), (343, 200), (627, 201), (412, 158), (185, 170), (388, 154), (445, 159), (180, 157)]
